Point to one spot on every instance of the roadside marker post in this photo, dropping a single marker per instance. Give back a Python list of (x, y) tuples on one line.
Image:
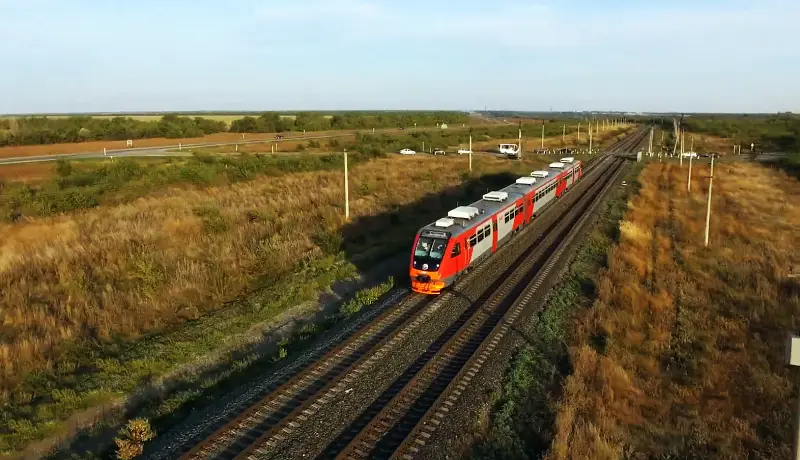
[(346, 190), (708, 208), (792, 357)]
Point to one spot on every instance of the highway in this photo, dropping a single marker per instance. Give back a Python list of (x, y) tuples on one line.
[(156, 151), (172, 150)]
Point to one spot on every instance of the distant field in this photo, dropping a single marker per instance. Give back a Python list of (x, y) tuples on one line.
[(227, 118)]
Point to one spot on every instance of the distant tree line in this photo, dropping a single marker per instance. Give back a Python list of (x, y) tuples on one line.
[(309, 121), (45, 130), (770, 133), (48, 130)]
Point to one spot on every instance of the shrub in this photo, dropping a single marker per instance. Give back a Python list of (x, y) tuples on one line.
[(63, 168), (131, 439)]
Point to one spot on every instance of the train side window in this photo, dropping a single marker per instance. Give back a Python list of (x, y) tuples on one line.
[(473, 240), (456, 250), (480, 237), (487, 230)]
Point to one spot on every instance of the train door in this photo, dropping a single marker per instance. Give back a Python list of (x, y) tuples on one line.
[(458, 256)]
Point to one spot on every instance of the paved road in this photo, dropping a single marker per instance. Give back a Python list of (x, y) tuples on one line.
[(157, 151)]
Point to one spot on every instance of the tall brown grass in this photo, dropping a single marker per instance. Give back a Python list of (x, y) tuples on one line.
[(121, 271), (682, 354)]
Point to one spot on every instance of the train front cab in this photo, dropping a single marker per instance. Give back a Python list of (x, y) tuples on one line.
[(433, 262)]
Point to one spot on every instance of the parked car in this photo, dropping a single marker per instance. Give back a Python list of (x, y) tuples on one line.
[(464, 151), (439, 152), (407, 152), (278, 137)]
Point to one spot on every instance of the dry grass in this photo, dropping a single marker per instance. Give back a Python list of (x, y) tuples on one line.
[(704, 143), (27, 173), (531, 143), (123, 270), (682, 354)]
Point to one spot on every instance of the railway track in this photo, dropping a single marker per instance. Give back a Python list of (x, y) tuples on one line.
[(275, 414), (418, 392)]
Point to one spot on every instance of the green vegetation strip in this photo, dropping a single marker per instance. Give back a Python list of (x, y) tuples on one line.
[(89, 184), (89, 374), (54, 130), (523, 420)]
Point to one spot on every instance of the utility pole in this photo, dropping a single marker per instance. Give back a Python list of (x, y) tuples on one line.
[(519, 155), (650, 146), (661, 143), (597, 124), (346, 190), (689, 182), (680, 138), (470, 153), (590, 138), (542, 137), (691, 143), (578, 138), (708, 209), (564, 136)]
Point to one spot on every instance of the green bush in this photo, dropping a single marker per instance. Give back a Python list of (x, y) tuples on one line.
[(366, 297)]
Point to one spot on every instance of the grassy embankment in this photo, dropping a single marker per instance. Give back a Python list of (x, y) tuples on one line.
[(523, 416), (681, 354), (137, 286)]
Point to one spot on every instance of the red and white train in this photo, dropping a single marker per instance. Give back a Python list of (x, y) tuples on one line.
[(468, 235)]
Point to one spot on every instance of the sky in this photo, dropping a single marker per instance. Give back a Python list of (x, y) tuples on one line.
[(175, 55)]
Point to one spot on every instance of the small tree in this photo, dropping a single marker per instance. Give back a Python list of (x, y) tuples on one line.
[(63, 168), (131, 439)]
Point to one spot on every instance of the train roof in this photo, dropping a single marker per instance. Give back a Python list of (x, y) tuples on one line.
[(464, 218)]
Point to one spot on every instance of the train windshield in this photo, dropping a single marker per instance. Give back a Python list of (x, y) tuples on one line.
[(429, 253), (430, 247)]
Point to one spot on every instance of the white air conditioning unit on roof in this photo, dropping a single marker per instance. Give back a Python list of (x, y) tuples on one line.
[(496, 196), (540, 174), (556, 165), (567, 160), (444, 222), (526, 180), (463, 212)]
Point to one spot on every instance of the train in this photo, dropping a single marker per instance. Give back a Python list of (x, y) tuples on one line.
[(446, 249)]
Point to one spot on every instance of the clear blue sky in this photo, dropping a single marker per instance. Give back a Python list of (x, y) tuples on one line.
[(142, 55)]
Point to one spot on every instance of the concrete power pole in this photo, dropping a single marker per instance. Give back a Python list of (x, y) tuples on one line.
[(346, 190), (564, 136), (542, 136), (578, 138), (470, 153), (708, 208), (520, 140), (689, 182), (650, 146), (590, 138)]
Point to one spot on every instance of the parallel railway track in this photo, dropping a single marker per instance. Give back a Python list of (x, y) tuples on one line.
[(274, 415), (413, 397)]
